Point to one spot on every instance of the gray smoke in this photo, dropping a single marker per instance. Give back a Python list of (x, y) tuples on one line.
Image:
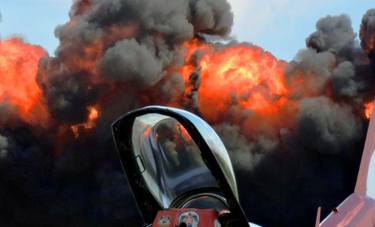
[(334, 33), (333, 62), (125, 41), (3, 146), (325, 126), (367, 32), (343, 80), (118, 55), (314, 67), (244, 153), (122, 63)]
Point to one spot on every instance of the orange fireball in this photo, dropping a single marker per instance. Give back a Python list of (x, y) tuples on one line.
[(242, 76), (18, 87)]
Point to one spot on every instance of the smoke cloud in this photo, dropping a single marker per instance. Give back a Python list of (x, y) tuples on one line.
[(127, 41), (294, 130), (334, 33), (367, 32), (3, 146), (123, 60), (328, 130)]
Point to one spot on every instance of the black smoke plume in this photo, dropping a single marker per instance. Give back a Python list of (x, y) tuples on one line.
[(120, 55)]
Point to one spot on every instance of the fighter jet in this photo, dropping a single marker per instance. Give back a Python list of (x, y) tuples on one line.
[(358, 210), (181, 175)]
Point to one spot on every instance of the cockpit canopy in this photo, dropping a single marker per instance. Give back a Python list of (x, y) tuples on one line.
[(169, 159), (174, 159)]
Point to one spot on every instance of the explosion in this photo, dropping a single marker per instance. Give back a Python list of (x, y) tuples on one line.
[(245, 75), (18, 86), (294, 130)]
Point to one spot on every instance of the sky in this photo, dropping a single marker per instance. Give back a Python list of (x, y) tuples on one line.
[(279, 26)]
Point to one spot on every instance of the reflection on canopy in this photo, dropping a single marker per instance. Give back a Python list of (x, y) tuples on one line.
[(168, 157)]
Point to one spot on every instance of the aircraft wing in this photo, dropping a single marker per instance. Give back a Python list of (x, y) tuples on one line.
[(359, 208)]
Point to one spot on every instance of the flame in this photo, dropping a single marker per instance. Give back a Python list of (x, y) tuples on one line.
[(245, 76), (369, 107), (240, 76), (252, 75), (93, 115), (90, 124), (190, 48), (18, 86)]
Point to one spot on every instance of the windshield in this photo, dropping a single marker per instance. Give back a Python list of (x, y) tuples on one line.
[(169, 159)]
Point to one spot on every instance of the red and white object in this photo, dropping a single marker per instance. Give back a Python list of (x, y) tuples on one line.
[(191, 217)]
